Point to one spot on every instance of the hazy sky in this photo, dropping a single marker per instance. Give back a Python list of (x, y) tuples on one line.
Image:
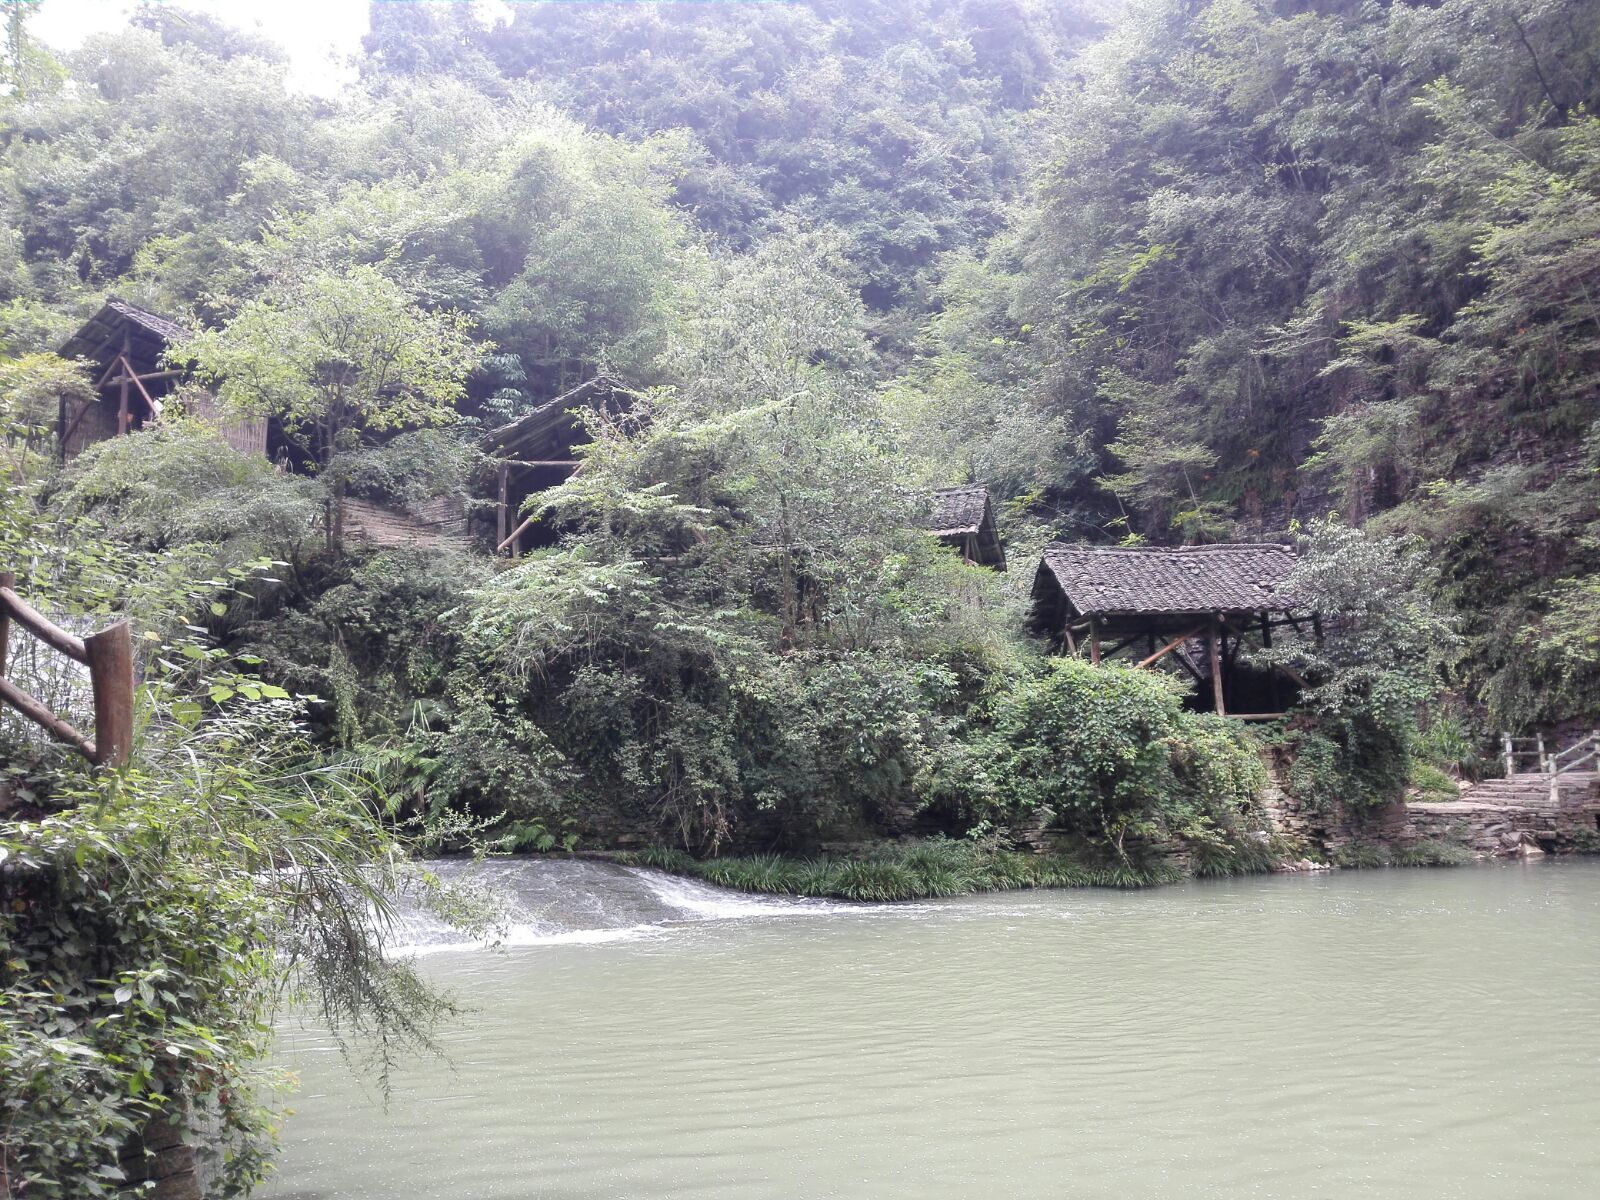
[(318, 34)]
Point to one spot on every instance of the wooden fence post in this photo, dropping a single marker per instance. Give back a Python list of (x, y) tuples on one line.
[(1508, 754), (111, 673)]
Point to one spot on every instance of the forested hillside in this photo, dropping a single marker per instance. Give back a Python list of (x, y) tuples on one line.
[(1286, 259), (1159, 273), (900, 124), (1171, 274)]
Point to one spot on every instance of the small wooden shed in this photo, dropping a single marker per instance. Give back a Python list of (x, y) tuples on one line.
[(963, 517), (1198, 604), (125, 345), (537, 451)]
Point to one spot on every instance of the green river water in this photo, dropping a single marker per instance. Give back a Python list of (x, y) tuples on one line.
[(1422, 1033)]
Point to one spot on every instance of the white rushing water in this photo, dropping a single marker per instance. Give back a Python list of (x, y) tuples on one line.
[(556, 902), (1382, 1035)]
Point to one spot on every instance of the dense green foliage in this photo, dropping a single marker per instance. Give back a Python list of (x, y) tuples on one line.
[(898, 123), (1418, 854), (1179, 271), (148, 933), (152, 920), (1289, 257), (1391, 644), (746, 626)]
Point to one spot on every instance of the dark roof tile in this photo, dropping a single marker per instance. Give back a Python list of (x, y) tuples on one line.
[(1101, 580), (162, 327), (959, 509)]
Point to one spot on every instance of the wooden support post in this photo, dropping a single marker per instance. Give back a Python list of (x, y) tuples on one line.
[(1213, 637), (1072, 642), (1544, 763), (502, 514), (1171, 646), (122, 405), (111, 673), (137, 376), (143, 391), (1094, 642), (1273, 688), (514, 541), (7, 580)]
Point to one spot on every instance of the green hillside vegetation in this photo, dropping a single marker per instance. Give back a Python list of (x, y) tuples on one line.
[(1281, 260), (1163, 273), (1243, 267)]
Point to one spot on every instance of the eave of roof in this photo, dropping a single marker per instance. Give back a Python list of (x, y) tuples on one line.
[(101, 336), (963, 513), (547, 416)]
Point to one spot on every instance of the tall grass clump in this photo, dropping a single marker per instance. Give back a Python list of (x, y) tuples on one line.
[(1360, 856), (1229, 859), (918, 870), (1435, 852)]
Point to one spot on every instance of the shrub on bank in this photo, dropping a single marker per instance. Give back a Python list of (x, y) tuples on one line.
[(1110, 757)]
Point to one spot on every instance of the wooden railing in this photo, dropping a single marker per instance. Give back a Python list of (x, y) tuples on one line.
[(109, 657), (1515, 751)]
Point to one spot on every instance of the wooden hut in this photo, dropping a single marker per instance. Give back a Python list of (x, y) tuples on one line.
[(537, 451), (1198, 604), (125, 346), (963, 518)]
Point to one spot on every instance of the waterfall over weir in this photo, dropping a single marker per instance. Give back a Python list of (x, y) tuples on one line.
[(549, 901)]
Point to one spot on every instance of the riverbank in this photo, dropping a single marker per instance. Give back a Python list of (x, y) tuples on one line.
[(938, 867)]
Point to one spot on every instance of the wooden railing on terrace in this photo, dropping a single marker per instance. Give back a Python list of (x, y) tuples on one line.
[(109, 657), (1516, 751)]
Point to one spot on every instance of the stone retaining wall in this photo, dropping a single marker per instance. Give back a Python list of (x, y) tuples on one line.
[(1487, 829), (1568, 821)]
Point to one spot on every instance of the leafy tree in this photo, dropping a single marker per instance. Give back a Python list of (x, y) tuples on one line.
[(889, 121), (32, 386), (1385, 657), (746, 632), (155, 918), (333, 354)]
